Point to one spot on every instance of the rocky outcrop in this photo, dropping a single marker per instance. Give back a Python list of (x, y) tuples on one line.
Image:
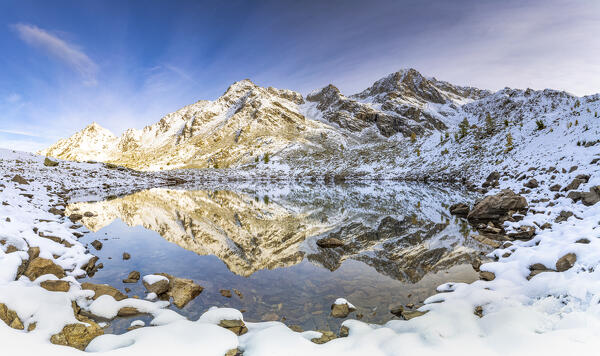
[(497, 207)]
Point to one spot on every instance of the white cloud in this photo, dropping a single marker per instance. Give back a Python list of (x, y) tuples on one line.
[(55, 47), (13, 98)]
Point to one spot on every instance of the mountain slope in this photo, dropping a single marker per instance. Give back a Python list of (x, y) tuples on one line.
[(405, 124)]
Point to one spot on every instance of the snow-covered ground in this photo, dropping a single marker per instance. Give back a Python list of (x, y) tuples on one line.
[(553, 313)]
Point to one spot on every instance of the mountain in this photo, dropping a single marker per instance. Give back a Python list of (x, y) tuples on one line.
[(405, 124)]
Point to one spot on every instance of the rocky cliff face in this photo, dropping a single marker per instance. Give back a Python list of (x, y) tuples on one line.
[(404, 124)]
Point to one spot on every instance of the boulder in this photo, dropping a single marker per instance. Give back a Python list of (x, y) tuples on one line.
[(133, 277), (524, 232), (566, 262), (226, 293), (158, 286), (487, 276), (77, 335), (460, 209), (555, 188), (19, 180), (10, 317), (575, 183), (330, 242), (97, 244), (182, 290), (50, 163), (56, 285), (41, 266), (496, 207), (238, 327), (126, 256), (326, 336), (341, 308), (103, 289), (532, 183)]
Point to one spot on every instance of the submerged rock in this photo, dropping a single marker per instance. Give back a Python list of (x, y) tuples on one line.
[(133, 277)]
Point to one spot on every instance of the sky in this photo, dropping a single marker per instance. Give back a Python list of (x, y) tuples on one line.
[(125, 64)]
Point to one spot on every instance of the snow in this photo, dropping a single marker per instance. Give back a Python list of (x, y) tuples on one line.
[(553, 313), (154, 278)]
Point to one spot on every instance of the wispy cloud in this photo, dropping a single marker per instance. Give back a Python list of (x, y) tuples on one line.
[(13, 98), (59, 49), (20, 133)]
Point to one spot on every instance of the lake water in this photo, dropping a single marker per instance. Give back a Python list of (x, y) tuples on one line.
[(400, 244)]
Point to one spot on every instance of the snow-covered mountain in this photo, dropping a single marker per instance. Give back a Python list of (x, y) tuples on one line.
[(387, 130)]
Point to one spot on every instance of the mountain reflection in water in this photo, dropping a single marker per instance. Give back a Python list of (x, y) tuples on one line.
[(402, 231)]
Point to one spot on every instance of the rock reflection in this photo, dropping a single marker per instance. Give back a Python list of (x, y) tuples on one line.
[(402, 230)]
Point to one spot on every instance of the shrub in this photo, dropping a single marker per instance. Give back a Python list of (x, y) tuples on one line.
[(506, 123), (266, 157), (489, 124), (509, 142), (463, 128), (540, 124), (413, 137)]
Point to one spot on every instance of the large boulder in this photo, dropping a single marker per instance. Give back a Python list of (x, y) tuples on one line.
[(460, 209), (182, 290), (156, 284), (41, 266), (497, 207), (77, 335)]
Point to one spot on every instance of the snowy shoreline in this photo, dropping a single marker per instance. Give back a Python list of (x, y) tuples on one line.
[(551, 313)]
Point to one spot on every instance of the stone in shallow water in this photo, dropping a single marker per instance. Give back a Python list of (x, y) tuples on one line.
[(133, 277)]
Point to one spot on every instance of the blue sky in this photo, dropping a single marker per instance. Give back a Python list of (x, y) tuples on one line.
[(124, 64)]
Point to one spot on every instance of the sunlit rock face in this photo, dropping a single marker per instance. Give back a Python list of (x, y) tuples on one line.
[(401, 231)]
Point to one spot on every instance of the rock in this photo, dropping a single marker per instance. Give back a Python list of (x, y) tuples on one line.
[(592, 197), (344, 331), (41, 266), (326, 336), (128, 311), (75, 217), (532, 183), (296, 328), (563, 216), (56, 211), (182, 290), (566, 262), (33, 252), (20, 180), (575, 183), (555, 188), (486, 240), (56, 285), (475, 264), (236, 326), (90, 267), (159, 287), (103, 289), (584, 177), (225, 292), (330, 242), (10, 317), (496, 207), (88, 214), (487, 276), (583, 241), (77, 335), (460, 209), (238, 293), (134, 277), (524, 232), (234, 352), (341, 310), (50, 163), (126, 256), (97, 245)]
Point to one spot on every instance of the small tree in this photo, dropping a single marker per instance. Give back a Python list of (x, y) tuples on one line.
[(540, 124), (463, 128), (509, 142), (413, 137), (489, 124), (266, 157)]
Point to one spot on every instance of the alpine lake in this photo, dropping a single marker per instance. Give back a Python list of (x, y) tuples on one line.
[(259, 242)]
